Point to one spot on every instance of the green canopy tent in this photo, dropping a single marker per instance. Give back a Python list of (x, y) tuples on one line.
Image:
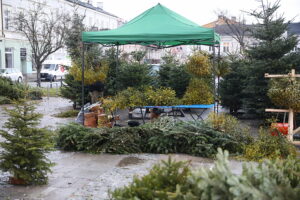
[(157, 27)]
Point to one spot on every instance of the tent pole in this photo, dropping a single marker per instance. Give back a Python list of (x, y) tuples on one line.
[(82, 83), (214, 80), (117, 67), (218, 87)]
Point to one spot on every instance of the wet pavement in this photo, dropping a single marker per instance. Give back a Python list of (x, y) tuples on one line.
[(81, 176), (48, 107)]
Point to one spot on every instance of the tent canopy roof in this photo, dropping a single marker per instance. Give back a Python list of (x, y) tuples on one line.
[(157, 26)]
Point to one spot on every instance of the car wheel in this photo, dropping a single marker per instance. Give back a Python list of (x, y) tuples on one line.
[(20, 79), (54, 79)]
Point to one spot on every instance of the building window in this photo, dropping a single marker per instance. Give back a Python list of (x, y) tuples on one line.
[(7, 19), (23, 53), (225, 47), (8, 57)]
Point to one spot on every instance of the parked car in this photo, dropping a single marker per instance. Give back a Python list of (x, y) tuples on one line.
[(155, 67), (12, 73), (54, 69)]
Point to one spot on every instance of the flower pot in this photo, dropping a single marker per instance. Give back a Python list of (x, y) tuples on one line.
[(90, 120), (281, 127), (16, 181)]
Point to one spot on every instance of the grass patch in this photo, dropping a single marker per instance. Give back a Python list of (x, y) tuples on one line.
[(67, 114), (51, 92)]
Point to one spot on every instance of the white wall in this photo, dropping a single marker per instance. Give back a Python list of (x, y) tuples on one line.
[(93, 18)]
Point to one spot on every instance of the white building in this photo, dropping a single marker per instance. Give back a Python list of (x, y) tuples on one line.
[(294, 28), (228, 42), (15, 49)]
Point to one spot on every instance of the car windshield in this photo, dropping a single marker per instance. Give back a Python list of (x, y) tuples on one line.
[(2, 71), (49, 66)]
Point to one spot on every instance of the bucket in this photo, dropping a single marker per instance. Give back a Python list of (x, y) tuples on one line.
[(90, 120), (281, 127)]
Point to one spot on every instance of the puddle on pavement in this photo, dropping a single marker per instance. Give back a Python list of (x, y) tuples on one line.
[(130, 161)]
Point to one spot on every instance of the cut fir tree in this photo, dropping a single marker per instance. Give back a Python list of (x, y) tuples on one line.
[(272, 54), (24, 146)]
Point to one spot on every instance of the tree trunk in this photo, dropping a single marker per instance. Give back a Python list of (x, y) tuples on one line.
[(38, 74), (95, 95)]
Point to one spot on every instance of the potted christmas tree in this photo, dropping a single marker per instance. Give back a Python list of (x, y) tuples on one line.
[(24, 146)]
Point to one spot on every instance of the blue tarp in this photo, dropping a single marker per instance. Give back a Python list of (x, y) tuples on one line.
[(183, 106)]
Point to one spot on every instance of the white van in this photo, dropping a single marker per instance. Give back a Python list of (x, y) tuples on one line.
[(54, 69)]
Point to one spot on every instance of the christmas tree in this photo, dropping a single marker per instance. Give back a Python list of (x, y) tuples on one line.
[(24, 146), (271, 54)]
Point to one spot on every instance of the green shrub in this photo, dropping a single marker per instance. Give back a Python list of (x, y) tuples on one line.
[(162, 182), (285, 93), (123, 140), (278, 179), (270, 147), (230, 125), (4, 100), (144, 96), (193, 138), (199, 91), (10, 89), (71, 136), (71, 90), (133, 75), (174, 76), (35, 93), (15, 91), (263, 181)]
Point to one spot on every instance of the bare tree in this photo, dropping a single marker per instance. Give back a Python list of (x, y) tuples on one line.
[(236, 28), (45, 32)]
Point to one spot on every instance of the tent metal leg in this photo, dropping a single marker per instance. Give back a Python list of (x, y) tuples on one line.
[(82, 83), (218, 86), (117, 68), (214, 80)]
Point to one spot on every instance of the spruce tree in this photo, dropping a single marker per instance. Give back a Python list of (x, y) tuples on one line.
[(271, 54), (24, 146), (232, 84), (72, 90), (173, 75), (96, 68)]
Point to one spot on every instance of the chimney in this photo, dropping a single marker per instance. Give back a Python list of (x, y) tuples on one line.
[(99, 5), (233, 18)]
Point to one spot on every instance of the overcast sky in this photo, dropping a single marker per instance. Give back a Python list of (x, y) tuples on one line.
[(199, 11)]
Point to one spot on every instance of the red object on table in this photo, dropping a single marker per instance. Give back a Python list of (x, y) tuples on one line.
[(281, 127)]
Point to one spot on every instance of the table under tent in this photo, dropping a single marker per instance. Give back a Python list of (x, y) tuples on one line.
[(157, 27)]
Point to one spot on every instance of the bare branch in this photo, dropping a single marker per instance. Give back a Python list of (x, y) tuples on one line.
[(236, 28), (44, 30)]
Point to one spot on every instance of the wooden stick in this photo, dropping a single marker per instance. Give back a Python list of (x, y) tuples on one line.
[(292, 75), (296, 130), (276, 110), (291, 125), (279, 110)]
